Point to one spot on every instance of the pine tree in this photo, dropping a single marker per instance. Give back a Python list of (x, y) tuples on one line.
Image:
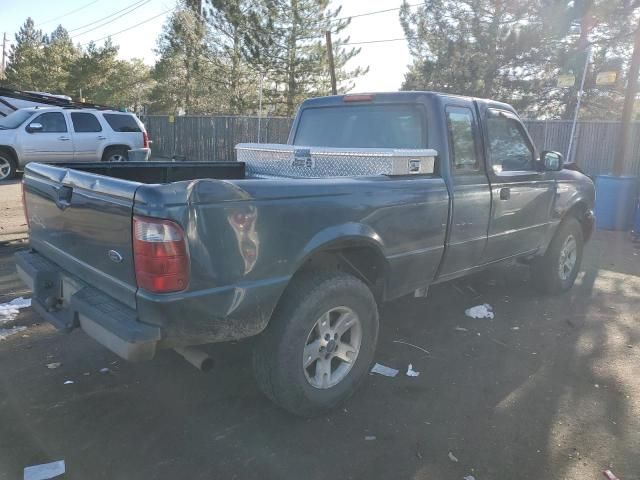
[(91, 73), (24, 70), (237, 29), (514, 51), (59, 54), (484, 48), (185, 73), (294, 55)]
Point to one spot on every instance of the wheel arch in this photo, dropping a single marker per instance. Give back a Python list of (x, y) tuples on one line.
[(12, 158), (10, 150), (114, 146), (353, 248), (581, 212)]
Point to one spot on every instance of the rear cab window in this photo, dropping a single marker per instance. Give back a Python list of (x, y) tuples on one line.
[(462, 144), (121, 122), (363, 126)]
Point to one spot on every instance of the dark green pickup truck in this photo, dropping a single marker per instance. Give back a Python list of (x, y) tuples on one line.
[(374, 197)]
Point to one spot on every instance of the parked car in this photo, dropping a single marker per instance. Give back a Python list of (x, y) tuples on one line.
[(299, 244), (59, 134)]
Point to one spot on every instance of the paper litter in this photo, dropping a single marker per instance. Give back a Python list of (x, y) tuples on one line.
[(480, 311), (44, 471), (411, 372), (384, 370)]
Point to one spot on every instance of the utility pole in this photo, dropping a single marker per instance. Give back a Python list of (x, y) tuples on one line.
[(4, 53), (627, 110), (332, 68), (260, 105), (577, 112)]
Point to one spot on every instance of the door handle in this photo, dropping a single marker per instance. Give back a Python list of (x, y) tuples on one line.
[(100, 137), (62, 138), (505, 193)]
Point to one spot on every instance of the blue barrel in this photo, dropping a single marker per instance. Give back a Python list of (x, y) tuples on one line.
[(615, 201)]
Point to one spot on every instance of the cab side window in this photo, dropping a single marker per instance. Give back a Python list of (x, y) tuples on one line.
[(52, 122), (460, 124), (509, 147)]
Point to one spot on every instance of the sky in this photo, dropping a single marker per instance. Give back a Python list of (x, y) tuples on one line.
[(82, 18)]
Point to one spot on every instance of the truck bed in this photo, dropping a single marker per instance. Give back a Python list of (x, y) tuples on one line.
[(246, 235)]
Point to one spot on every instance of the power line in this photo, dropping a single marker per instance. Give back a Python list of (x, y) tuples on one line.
[(365, 14), (129, 28), (377, 41), (68, 13), (130, 8)]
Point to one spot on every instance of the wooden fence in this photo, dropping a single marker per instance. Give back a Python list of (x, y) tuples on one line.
[(213, 139)]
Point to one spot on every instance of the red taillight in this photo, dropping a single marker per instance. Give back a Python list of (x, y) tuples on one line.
[(160, 255), (145, 140), (24, 203)]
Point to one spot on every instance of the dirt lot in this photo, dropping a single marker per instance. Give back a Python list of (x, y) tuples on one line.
[(13, 225), (549, 389)]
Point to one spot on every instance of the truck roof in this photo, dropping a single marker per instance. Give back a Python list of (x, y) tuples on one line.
[(406, 96)]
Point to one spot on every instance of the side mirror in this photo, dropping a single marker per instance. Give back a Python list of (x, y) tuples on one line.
[(34, 127), (552, 161)]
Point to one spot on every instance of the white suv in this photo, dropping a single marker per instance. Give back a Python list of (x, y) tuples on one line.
[(57, 134)]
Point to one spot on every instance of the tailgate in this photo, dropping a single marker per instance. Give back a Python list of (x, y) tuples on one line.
[(82, 222)]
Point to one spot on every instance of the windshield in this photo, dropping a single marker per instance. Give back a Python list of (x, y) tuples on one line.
[(363, 126), (15, 119)]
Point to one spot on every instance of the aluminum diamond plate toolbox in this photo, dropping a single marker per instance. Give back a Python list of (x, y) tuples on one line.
[(278, 160)]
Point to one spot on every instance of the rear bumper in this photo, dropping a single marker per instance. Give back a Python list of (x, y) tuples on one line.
[(139, 154), (67, 302)]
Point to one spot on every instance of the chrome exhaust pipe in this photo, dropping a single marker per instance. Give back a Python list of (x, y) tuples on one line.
[(197, 358)]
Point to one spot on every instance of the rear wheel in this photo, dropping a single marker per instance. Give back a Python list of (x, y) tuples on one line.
[(8, 166), (556, 272), (115, 154), (320, 343)]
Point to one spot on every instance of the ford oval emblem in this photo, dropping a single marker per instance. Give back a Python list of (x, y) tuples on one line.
[(114, 256)]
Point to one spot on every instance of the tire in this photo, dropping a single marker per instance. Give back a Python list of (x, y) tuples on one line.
[(546, 271), (280, 349), (115, 154), (8, 166)]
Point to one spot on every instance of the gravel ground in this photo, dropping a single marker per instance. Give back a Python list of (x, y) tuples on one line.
[(13, 225), (549, 389)]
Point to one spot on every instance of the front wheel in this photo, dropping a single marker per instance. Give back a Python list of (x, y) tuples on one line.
[(556, 272), (8, 166), (320, 343)]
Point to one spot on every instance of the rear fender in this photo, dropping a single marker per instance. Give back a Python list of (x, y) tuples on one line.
[(341, 238)]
